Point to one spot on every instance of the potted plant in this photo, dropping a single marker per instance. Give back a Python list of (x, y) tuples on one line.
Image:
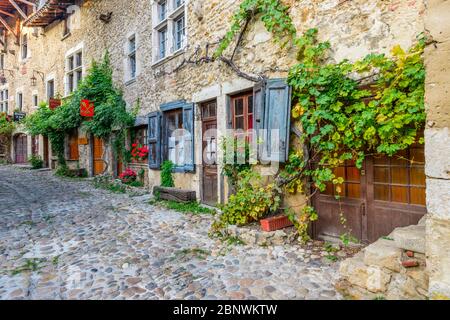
[(139, 152), (128, 176)]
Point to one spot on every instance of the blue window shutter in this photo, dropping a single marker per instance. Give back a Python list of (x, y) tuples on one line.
[(154, 140), (258, 114), (188, 125), (277, 116)]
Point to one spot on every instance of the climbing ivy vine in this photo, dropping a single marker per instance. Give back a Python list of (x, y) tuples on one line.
[(111, 114), (344, 111)]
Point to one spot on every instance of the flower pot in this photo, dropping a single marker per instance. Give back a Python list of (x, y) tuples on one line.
[(275, 223)]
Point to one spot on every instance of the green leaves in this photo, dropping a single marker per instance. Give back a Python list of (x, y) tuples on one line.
[(273, 14)]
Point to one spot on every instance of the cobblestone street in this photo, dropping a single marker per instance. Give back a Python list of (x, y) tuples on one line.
[(64, 239)]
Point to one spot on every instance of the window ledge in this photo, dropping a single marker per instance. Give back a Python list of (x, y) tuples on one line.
[(161, 24), (176, 12), (169, 57)]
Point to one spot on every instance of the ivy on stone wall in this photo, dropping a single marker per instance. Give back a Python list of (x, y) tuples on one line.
[(111, 114), (341, 119)]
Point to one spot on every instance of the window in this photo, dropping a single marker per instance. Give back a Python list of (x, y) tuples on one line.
[(24, 47), (171, 136), (35, 100), (132, 57), (178, 3), (50, 89), (162, 43), (2, 61), (179, 32), (266, 113), (74, 71), (174, 146), (139, 136), (4, 100), (20, 101), (169, 28), (74, 154), (242, 111), (162, 10)]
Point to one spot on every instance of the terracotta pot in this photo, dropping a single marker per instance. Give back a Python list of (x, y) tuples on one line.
[(275, 223)]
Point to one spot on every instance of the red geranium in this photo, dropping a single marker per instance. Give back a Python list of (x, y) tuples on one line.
[(128, 176), (139, 152)]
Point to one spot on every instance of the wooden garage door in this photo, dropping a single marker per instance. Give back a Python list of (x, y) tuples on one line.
[(387, 193)]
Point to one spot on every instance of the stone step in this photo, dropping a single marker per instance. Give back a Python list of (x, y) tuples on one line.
[(410, 238), (383, 253)]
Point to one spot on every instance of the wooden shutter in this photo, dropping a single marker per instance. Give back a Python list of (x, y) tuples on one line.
[(188, 125), (154, 140), (258, 115), (277, 116)]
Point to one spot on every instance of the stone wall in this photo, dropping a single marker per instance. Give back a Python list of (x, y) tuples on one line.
[(437, 144), (354, 29), (391, 268)]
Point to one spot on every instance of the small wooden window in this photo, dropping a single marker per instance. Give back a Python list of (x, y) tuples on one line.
[(242, 111)]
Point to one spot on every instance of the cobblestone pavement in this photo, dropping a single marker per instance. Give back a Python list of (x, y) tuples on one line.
[(64, 239)]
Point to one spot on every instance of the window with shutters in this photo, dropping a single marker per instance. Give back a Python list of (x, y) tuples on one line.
[(171, 136), (267, 111)]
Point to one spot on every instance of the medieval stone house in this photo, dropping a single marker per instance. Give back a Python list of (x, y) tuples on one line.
[(161, 51)]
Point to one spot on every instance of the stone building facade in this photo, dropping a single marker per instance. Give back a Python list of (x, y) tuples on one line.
[(160, 53)]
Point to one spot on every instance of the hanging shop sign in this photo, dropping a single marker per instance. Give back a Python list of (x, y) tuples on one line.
[(19, 116), (54, 103)]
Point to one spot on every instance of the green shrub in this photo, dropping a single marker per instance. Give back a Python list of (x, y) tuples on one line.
[(166, 174), (36, 162)]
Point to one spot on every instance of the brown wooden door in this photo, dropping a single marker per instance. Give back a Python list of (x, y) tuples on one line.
[(99, 165), (387, 193), (209, 159), (21, 149), (351, 205), (396, 192), (46, 155)]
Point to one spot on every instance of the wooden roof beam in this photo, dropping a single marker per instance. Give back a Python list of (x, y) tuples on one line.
[(7, 26), (17, 7), (7, 13)]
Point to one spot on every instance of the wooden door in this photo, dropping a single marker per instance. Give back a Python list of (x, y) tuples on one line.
[(46, 155), (21, 149), (387, 193), (98, 163), (395, 192), (209, 159), (351, 206)]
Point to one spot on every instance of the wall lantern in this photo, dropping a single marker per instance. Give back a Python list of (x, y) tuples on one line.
[(34, 79)]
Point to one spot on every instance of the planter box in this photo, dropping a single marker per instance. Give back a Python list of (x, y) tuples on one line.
[(275, 223)]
